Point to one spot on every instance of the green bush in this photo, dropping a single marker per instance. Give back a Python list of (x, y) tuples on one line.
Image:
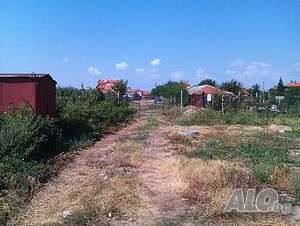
[(261, 172), (29, 142), (295, 185)]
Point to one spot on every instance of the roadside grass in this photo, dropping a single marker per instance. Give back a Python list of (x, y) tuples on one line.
[(212, 117), (291, 120), (229, 158)]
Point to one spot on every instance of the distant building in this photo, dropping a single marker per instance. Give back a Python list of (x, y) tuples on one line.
[(106, 85), (38, 91), (293, 84), (199, 96), (141, 93), (132, 92), (245, 92), (186, 84)]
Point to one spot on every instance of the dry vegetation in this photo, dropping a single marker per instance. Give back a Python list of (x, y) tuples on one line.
[(157, 177), (211, 168)]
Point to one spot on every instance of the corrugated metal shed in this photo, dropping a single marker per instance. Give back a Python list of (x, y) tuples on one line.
[(38, 91)]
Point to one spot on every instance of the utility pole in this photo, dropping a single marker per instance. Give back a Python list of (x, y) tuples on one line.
[(263, 92), (181, 101), (163, 107), (222, 103), (139, 107)]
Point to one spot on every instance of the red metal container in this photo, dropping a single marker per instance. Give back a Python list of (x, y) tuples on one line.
[(38, 91)]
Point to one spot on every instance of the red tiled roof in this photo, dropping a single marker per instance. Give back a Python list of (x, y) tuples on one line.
[(146, 93), (106, 84), (186, 84), (134, 90), (293, 84), (207, 89), (274, 88), (245, 91)]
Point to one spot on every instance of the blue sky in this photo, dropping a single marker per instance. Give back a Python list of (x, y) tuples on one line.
[(150, 42)]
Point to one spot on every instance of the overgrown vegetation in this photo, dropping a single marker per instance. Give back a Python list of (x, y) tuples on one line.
[(212, 117), (29, 142), (249, 153)]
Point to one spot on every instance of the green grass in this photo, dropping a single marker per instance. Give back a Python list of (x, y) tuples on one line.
[(258, 152), (211, 117)]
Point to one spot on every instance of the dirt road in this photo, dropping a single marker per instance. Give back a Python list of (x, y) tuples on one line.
[(142, 152)]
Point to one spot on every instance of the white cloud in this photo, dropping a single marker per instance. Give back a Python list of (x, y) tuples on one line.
[(65, 59), (231, 72), (139, 70), (238, 62), (257, 68), (201, 74), (296, 66), (153, 76), (155, 62), (177, 75), (93, 70), (121, 66), (252, 69)]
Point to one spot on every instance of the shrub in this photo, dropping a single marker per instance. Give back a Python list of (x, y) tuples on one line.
[(212, 117), (29, 142), (295, 187), (261, 172)]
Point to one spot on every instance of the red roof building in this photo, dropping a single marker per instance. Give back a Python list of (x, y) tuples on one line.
[(293, 84), (106, 85), (198, 94), (38, 91), (186, 84)]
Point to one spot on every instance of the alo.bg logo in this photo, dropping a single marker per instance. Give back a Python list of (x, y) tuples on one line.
[(265, 201)]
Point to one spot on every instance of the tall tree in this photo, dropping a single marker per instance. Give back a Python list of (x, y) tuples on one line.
[(171, 90), (120, 88), (232, 86), (255, 90), (208, 82), (280, 87)]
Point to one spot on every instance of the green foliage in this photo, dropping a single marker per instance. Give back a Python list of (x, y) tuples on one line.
[(27, 136), (121, 88), (212, 117), (91, 115), (280, 88), (172, 91), (26, 143), (255, 91), (261, 172), (295, 186), (29, 142), (208, 82), (232, 86)]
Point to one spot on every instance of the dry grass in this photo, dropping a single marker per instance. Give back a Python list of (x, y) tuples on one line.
[(208, 184), (79, 188)]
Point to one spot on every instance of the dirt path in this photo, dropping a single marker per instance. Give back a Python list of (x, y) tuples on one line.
[(49, 203), (162, 188), (158, 189)]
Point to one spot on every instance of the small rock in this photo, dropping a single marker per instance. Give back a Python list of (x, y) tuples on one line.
[(109, 214), (103, 176), (191, 133), (67, 213)]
